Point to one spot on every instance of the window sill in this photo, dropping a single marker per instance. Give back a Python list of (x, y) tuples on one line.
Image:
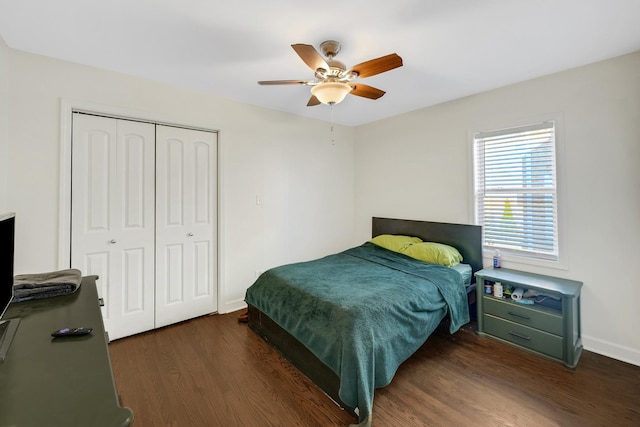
[(521, 263)]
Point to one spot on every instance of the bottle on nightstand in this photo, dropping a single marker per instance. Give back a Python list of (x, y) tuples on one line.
[(497, 290), (497, 259)]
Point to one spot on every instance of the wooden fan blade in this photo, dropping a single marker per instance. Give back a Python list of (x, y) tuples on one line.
[(283, 82), (310, 56), (366, 91), (313, 101), (377, 66)]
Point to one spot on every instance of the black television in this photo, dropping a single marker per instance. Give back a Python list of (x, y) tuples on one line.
[(8, 327)]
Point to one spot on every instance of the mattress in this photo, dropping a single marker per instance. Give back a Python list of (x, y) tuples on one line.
[(465, 272)]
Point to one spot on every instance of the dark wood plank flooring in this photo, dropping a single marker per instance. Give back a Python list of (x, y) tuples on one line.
[(214, 371)]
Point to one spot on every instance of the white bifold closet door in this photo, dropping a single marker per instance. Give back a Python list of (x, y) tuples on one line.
[(144, 220), (113, 218), (185, 224)]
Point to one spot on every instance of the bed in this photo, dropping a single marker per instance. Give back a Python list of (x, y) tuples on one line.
[(348, 320)]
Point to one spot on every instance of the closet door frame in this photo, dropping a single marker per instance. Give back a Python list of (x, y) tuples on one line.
[(67, 108)]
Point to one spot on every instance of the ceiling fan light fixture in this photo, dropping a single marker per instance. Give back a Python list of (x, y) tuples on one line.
[(331, 92), (333, 79)]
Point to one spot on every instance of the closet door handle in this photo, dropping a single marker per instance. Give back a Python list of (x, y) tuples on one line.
[(112, 241), (190, 234)]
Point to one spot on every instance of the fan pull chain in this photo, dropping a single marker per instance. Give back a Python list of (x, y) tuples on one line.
[(333, 141)]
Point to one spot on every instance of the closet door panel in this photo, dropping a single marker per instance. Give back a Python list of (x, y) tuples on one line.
[(94, 162), (171, 175), (135, 178), (202, 191), (202, 255), (112, 230), (173, 271), (134, 277), (97, 264), (185, 218)]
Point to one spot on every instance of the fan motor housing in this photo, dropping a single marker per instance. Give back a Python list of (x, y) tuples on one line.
[(330, 48)]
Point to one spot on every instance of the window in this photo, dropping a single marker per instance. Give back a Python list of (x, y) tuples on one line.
[(516, 192)]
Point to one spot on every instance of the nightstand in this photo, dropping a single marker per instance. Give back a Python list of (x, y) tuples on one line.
[(549, 330)]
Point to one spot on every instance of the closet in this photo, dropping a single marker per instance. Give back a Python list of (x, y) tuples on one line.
[(143, 218)]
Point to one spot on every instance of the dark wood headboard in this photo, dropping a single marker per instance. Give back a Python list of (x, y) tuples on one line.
[(466, 238)]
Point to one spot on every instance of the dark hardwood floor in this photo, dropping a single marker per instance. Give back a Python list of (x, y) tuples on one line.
[(214, 371)]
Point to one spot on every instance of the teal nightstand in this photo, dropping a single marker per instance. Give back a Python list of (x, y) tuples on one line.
[(552, 332)]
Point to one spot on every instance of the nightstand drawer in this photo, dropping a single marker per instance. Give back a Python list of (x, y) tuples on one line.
[(524, 336), (524, 315)]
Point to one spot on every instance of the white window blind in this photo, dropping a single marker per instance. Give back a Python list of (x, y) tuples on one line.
[(516, 198)]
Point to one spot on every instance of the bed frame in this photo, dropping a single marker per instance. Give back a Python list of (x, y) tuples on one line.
[(466, 238)]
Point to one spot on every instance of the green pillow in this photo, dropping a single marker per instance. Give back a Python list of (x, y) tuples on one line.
[(394, 242), (434, 253)]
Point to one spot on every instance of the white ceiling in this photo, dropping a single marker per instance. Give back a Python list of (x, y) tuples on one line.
[(450, 48)]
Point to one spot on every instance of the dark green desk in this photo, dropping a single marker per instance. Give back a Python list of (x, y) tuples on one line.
[(63, 382)]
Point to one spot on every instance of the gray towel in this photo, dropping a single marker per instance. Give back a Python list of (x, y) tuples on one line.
[(45, 285)]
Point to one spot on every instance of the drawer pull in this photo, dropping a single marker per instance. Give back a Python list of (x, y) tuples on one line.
[(517, 335), (522, 316)]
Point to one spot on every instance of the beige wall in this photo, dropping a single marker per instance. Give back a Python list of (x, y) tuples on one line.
[(305, 182), (418, 166), (4, 97)]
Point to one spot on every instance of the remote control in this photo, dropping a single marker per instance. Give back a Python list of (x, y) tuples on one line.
[(71, 332)]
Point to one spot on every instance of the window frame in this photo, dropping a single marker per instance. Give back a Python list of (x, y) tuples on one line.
[(514, 260)]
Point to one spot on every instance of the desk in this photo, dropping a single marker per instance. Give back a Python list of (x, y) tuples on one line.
[(62, 382)]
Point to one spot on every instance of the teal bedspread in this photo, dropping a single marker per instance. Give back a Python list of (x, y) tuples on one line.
[(362, 312)]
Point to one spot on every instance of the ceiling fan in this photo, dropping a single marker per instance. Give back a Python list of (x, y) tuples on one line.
[(333, 80)]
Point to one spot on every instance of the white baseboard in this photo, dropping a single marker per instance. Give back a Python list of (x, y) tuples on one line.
[(231, 306), (615, 351)]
